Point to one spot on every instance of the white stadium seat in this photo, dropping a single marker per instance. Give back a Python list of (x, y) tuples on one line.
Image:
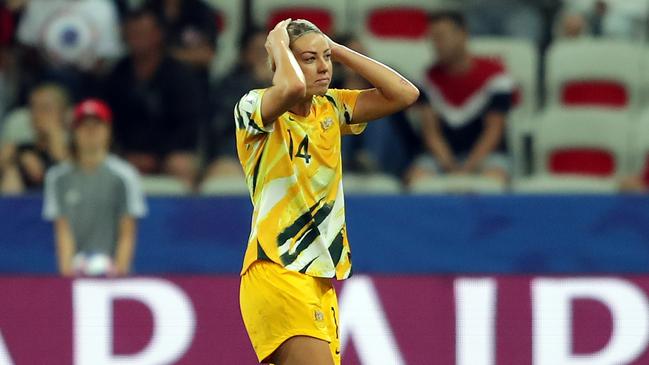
[(588, 142), (373, 184), (457, 185), (163, 185), (224, 185), (594, 73), (568, 184)]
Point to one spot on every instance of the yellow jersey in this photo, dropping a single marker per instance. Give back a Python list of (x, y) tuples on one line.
[(293, 170)]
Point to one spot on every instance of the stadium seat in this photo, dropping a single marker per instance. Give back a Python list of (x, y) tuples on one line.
[(163, 185), (587, 142), (373, 184), (567, 184), (229, 22), (224, 185), (457, 185), (395, 33), (330, 16), (594, 73)]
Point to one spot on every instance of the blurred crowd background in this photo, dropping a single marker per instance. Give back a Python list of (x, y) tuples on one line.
[(523, 96)]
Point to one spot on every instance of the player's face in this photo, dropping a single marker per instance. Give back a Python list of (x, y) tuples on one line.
[(449, 41), (92, 135), (313, 54)]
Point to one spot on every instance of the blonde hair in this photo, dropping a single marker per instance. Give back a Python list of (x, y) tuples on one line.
[(296, 29), (299, 27)]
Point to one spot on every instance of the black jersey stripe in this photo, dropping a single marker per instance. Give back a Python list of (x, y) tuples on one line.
[(255, 173), (261, 254), (336, 248), (237, 115), (306, 267), (312, 233), (254, 125), (332, 100), (297, 226)]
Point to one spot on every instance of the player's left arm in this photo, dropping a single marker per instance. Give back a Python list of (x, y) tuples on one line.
[(391, 93), (125, 245), (489, 140)]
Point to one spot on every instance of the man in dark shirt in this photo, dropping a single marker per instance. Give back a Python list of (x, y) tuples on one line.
[(157, 102), (190, 30), (466, 104)]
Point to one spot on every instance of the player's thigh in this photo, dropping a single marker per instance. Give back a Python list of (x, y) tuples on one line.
[(303, 350)]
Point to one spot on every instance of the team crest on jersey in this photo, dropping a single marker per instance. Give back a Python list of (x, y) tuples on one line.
[(326, 124), (319, 316)]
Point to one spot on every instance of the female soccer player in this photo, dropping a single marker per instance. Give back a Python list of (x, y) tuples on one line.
[(288, 142)]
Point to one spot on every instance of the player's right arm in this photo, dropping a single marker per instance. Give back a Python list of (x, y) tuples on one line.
[(289, 85), (434, 139), (64, 246)]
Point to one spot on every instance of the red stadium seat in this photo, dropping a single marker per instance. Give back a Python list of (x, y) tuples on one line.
[(582, 161), (604, 93), (398, 22)]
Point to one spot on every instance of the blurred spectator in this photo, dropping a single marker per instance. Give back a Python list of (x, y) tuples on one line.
[(463, 121), (252, 72), (506, 18), (190, 32), (157, 102), (572, 25), (603, 18), (93, 200), (43, 142), (379, 148), (69, 41)]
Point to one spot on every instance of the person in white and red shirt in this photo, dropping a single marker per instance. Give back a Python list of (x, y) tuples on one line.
[(464, 108)]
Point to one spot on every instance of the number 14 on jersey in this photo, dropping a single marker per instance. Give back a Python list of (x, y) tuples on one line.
[(302, 149)]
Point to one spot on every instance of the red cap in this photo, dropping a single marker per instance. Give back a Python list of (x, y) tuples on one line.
[(92, 108)]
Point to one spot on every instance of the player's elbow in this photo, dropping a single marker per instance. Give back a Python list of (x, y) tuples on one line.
[(295, 90), (409, 95)]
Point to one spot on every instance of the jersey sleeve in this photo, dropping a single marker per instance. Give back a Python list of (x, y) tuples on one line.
[(247, 114), (131, 200), (345, 101)]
